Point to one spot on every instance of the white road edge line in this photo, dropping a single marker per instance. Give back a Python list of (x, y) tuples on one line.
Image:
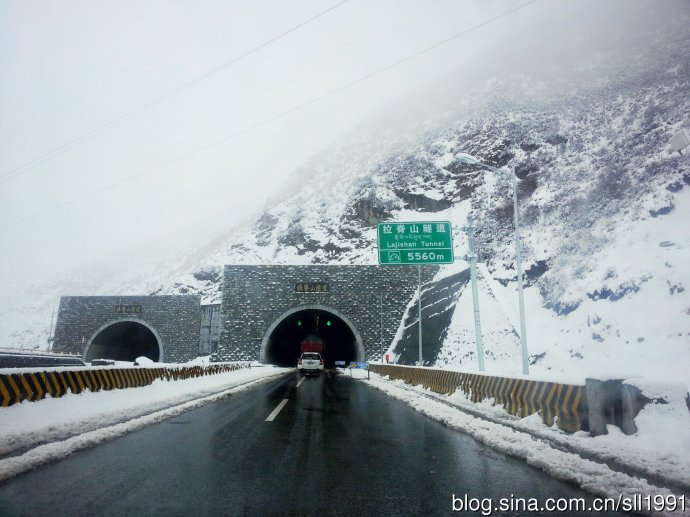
[(300, 382), (280, 406)]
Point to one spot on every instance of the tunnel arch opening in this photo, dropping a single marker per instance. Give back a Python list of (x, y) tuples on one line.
[(124, 340), (342, 341)]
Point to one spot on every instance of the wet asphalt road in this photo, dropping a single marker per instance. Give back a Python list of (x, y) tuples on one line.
[(337, 447)]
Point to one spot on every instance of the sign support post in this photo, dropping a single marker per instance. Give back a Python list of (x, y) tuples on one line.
[(419, 310), (381, 309)]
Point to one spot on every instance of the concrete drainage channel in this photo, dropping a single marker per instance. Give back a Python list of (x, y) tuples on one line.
[(603, 402)]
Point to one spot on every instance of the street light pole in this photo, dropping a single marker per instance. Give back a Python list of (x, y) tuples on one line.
[(518, 265), (468, 158), (472, 259)]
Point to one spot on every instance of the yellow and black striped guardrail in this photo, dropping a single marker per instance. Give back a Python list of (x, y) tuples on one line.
[(17, 387), (566, 404)]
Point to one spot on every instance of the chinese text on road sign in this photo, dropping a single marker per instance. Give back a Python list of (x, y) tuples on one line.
[(415, 243)]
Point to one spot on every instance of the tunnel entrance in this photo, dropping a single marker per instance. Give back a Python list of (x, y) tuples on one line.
[(282, 344), (124, 341)]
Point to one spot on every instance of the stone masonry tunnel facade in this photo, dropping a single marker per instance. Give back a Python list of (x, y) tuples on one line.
[(259, 300), (162, 328), (264, 314)]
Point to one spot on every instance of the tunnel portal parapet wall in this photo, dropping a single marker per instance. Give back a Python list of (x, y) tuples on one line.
[(255, 297)]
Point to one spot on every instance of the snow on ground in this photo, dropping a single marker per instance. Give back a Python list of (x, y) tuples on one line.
[(500, 338), (658, 449), (36, 433), (643, 333)]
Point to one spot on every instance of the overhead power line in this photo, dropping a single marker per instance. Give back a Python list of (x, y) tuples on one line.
[(144, 107), (267, 120)]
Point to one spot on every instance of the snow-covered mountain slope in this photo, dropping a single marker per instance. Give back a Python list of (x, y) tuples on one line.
[(604, 209)]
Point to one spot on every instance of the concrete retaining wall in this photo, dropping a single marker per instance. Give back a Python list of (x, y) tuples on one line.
[(619, 401), (564, 404), (17, 387), (28, 360)]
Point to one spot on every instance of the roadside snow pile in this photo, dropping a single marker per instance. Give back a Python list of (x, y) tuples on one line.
[(658, 450), (35, 433), (539, 451)]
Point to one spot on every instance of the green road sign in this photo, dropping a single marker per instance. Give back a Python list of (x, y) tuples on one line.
[(425, 242)]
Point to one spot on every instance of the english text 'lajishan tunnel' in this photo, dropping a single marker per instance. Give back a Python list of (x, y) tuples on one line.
[(283, 343), (124, 341)]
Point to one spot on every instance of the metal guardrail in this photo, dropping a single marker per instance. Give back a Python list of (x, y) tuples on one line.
[(564, 404), (17, 387)]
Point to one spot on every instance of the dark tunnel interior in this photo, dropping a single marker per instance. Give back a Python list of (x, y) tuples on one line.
[(124, 341), (283, 346)]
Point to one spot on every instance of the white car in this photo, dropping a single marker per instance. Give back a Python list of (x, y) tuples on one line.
[(310, 362)]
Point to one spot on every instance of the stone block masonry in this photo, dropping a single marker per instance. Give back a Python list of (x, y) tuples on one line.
[(175, 320), (256, 298), (210, 329)]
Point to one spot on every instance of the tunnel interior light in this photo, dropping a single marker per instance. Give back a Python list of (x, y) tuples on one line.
[(299, 323), (328, 323)]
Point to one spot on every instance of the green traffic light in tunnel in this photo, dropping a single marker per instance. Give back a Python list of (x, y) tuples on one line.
[(299, 323), (328, 323)]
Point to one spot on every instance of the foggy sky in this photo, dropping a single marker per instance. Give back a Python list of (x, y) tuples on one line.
[(68, 68)]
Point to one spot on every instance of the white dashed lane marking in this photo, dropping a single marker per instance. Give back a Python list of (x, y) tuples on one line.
[(280, 406), (275, 412)]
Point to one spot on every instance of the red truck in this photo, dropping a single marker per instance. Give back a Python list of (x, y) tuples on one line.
[(312, 344), (311, 358)]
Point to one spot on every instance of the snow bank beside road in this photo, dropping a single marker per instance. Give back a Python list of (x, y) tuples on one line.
[(51, 429), (649, 451)]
